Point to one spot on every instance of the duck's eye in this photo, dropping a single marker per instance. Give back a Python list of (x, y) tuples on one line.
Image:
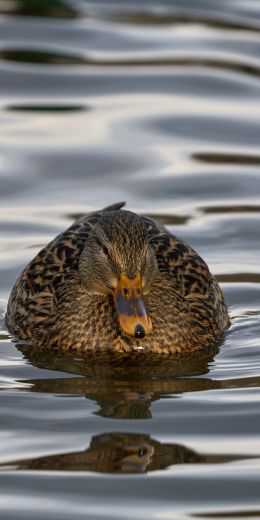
[(142, 452), (102, 247)]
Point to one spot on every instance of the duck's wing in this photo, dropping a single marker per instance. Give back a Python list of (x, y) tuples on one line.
[(177, 260), (51, 278)]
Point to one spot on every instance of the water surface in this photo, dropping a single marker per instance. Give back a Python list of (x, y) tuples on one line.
[(156, 103)]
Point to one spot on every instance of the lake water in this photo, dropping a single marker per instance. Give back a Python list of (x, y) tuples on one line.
[(156, 103)]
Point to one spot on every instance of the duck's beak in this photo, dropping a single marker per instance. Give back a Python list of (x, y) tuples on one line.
[(130, 306)]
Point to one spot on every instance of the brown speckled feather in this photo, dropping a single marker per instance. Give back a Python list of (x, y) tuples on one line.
[(49, 306)]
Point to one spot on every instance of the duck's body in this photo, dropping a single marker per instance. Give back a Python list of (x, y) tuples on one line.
[(71, 297)]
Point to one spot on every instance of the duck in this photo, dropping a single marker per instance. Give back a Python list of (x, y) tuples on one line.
[(116, 281)]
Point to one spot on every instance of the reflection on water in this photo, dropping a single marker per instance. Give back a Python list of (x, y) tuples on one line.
[(229, 159), (50, 8), (38, 57), (159, 17), (44, 57), (123, 387), (156, 104), (230, 514), (47, 108), (123, 453)]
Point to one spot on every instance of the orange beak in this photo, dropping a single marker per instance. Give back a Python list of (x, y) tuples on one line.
[(130, 306)]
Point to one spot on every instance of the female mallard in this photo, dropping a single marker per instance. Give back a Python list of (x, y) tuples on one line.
[(117, 281)]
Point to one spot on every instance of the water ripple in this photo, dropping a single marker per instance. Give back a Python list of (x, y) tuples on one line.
[(158, 105)]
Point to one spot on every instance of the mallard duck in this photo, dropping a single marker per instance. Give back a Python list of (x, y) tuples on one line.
[(117, 281)]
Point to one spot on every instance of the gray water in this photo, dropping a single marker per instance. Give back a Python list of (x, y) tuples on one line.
[(158, 104)]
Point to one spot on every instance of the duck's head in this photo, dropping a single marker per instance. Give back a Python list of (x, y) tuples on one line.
[(119, 261)]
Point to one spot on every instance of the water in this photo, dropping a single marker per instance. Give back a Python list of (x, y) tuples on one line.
[(156, 103)]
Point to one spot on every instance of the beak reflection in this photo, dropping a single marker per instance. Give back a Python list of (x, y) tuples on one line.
[(130, 306)]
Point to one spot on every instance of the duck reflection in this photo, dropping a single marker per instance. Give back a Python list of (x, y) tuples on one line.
[(122, 387), (123, 453)]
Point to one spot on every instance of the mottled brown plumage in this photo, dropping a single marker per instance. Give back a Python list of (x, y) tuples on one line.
[(64, 297)]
